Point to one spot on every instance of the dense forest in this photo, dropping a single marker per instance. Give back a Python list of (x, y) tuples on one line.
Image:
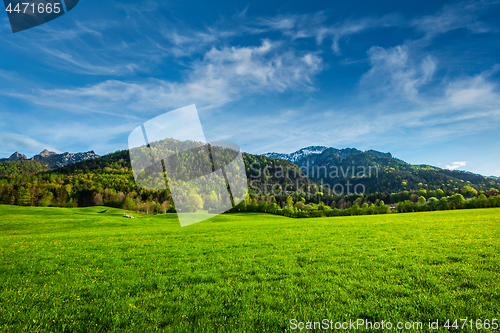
[(274, 185), (106, 180), (380, 172)]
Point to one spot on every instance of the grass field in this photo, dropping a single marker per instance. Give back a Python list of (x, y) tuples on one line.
[(91, 270)]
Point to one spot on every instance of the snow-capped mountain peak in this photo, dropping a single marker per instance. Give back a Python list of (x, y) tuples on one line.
[(52, 159), (299, 154)]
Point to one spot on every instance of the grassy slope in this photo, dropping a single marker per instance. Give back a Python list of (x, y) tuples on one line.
[(81, 270)]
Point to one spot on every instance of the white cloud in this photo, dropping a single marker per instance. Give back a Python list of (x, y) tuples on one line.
[(222, 76), (108, 46), (472, 91), (11, 142), (151, 38), (267, 67), (291, 129), (395, 72), (454, 16), (451, 17), (434, 114), (78, 64), (188, 42), (293, 26), (456, 165), (314, 26), (351, 27), (410, 101)]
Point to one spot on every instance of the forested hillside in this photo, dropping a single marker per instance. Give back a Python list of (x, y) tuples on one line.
[(9, 170), (108, 180), (381, 172)]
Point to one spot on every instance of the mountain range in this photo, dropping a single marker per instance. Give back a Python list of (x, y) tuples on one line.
[(296, 157), (377, 171), (53, 160)]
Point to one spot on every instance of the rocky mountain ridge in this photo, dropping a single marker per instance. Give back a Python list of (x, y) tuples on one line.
[(52, 159), (376, 171), (297, 156)]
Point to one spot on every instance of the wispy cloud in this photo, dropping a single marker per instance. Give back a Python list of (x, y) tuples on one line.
[(476, 91), (455, 16), (351, 27), (224, 75), (401, 83), (395, 72), (447, 110), (314, 26), (11, 141), (456, 165), (101, 46), (107, 46)]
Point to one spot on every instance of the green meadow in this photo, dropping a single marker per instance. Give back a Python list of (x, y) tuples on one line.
[(92, 270)]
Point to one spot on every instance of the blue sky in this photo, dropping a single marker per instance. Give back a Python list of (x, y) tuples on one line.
[(417, 79)]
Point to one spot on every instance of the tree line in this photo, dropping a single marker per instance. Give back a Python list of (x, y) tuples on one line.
[(109, 181)]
